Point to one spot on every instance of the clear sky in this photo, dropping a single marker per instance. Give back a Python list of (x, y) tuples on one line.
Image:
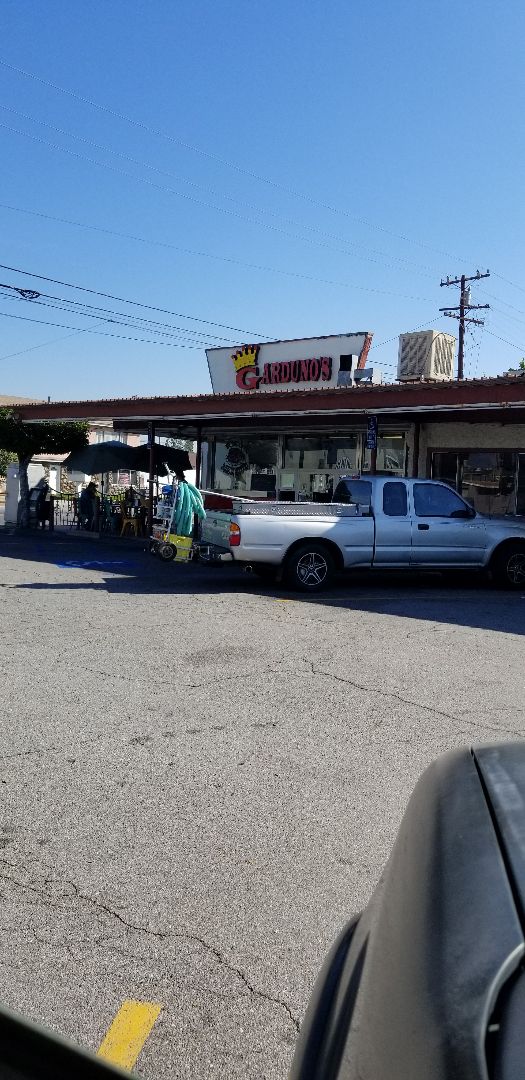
[(285, 169)]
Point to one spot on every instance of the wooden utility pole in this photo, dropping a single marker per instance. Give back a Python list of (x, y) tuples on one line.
[(464, 306)]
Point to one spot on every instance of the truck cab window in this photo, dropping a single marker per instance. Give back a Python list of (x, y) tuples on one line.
[(353, 491), (430, 500), (395, 500)]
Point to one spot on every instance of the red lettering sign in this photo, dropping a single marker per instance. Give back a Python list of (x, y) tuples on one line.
[(248, 377), (326, 368)]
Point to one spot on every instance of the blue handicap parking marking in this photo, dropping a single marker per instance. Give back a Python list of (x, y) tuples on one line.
[(78, 564)]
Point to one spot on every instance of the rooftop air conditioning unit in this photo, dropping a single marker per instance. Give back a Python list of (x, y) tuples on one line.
[(427, 354)]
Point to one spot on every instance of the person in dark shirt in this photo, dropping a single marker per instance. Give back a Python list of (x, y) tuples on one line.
[(88, 505)]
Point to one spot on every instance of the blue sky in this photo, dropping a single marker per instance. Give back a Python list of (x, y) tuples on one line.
[(291, 170)]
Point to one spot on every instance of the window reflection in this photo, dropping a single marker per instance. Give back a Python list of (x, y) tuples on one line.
[(390, 455), (247, 466), (485, 478)]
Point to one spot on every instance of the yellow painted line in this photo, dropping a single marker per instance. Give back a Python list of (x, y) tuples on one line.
[(128, 1033)]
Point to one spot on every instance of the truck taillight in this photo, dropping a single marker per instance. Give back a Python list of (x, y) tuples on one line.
[(235, 534)]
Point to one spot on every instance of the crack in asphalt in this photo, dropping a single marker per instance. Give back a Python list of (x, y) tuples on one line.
[(220, 957), (50, 749), (181, 935), (408, 701)]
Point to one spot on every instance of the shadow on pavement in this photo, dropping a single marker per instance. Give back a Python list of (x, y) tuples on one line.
[(467, 600)]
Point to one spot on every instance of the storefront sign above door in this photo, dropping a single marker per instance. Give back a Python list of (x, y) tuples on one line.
[(306, 364)]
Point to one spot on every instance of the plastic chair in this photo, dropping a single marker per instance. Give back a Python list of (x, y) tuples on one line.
[(130, 523)]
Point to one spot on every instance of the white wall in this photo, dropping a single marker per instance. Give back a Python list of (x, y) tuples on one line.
[(12, 489)]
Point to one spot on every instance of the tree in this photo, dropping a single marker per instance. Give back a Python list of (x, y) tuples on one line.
[(5, 459), (26, 440), (522, 364), (181, 444)]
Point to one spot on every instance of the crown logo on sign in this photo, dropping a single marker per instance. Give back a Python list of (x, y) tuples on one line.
[(245, 357)]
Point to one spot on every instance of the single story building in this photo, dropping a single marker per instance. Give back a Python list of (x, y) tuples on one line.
[(288, 442)]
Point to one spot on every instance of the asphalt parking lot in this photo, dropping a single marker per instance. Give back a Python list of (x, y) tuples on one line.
[(201, 777)]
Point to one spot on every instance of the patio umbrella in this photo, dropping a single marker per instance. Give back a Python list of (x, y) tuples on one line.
[(101, 458), (166, 459)]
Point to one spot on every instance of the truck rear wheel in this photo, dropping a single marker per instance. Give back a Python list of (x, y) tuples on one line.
[(310, 567), (509, 567)]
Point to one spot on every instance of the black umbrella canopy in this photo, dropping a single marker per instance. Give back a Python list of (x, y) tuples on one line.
[(166, 459), (101, 458)]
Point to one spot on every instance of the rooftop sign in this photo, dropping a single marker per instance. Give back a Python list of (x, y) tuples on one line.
[(305, 364)]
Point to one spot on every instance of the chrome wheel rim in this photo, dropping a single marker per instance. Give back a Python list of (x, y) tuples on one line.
[(312, 569), (516, 569)]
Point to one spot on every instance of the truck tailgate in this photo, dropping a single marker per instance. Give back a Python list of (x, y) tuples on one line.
[(215, 529)]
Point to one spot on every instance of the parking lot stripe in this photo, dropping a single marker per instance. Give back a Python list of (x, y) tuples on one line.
[(128, 1033)]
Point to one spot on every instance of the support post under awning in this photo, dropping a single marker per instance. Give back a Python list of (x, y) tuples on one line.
[(198, 462), (151, 478)]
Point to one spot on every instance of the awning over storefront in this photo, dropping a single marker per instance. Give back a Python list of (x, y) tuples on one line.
[(474, 399)]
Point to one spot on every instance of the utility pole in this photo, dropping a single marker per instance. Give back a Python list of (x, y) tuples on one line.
[(464, 306)]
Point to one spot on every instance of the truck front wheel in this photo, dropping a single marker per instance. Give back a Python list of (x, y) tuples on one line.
[(310, 567), (509, 567)]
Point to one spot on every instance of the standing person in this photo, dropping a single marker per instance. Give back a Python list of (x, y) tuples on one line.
[(88, 505), (43, 505)]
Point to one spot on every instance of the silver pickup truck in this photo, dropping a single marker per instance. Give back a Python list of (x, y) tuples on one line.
[(373, 523)]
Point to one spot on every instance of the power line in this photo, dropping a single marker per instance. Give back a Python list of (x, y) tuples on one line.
[(512, 283), (222, 161), (520, 348), (252, 266), (202, 187), (94, 313), (101, 333), (423, 326), (123, 300), (500, 299), (196, 201), (42, 345)]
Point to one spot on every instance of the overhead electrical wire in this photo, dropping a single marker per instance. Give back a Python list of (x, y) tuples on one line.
[(102, 333), (196, 201), (233, 165), (115, 316), (42, 344), (222, 161), (124, 300), (520, 348), (361, 288), (208, 190), (511, 283)]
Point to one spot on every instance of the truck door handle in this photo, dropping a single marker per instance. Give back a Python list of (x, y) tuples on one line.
[(423, 528)]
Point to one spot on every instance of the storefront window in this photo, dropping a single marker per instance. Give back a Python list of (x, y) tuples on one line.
[(488, 481), (246, 466), (313, 465), (485, 478), (391, 455), (445, 468)]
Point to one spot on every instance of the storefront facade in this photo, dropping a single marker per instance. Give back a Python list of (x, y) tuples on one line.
[(294, 443), (298, 465)]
